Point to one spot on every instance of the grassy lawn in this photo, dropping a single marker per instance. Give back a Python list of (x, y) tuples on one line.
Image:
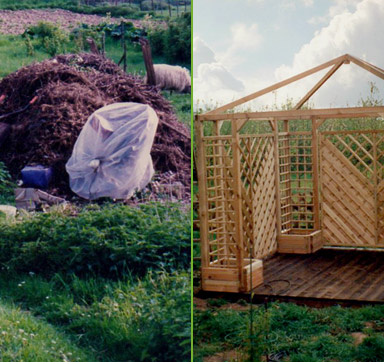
[(287, 332), (106, 282)]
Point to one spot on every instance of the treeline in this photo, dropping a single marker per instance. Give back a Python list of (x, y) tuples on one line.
[(116, 8)]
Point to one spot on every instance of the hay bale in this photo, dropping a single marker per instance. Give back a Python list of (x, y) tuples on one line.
[(172, 77)]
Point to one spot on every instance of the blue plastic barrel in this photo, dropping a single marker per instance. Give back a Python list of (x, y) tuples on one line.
[(36, 176)]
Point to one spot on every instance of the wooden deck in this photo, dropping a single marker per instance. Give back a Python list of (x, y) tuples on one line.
[(329, 275)]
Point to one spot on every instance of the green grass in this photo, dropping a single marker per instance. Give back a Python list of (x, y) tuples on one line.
[(296, 332), (182, 105), (27, 338), (131, 319), (111, 279), (13, 54)]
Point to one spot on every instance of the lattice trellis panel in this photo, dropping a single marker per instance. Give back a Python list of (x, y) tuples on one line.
[(220, 198), (296, 181), (380, 213), (357, 148), (352, 168), (380, 186), (258, 195)]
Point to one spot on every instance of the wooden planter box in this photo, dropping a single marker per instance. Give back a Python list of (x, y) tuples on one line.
[(300, 243), (216, 279)]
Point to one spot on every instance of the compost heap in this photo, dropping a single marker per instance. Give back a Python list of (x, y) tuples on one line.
[(69, 89)]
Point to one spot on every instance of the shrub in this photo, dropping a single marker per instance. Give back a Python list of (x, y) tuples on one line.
[(51, 37), (174, 42), (6, 185), (113, 241)]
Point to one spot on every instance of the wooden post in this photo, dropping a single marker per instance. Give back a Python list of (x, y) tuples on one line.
[(169, 8), (203, 192), (185, 6), (122, 28), (238, 206), (93, 46), (147, 55), (177, 8), (219, 182), (315, 176), (375, 183), (125, 57), (153, 6), (103, 43)]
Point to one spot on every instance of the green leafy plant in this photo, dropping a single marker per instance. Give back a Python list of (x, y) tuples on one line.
[(6, 185), (50, 36), (174, 41), (114, 241)]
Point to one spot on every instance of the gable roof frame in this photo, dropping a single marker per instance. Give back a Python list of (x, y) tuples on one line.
[(297, 113)]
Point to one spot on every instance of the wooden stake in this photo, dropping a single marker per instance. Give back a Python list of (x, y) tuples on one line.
[(147, 55)]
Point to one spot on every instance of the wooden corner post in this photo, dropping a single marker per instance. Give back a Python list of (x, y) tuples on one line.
[(315, 176), (238, 205), (203, 193)]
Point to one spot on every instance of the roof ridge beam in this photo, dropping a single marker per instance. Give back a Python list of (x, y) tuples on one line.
[(278, 85)]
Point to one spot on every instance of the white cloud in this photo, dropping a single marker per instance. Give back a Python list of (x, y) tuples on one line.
[(201, 53), (307, 3), (338, 7), (357, 33), (216, 76), (211, 79), (245, 37), (244, 43)]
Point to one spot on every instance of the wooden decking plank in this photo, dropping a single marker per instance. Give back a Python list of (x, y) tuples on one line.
[(361, 286), (319, 280), (345, 277), (302, 266), (375, 292), (339, 275), (287, 261)]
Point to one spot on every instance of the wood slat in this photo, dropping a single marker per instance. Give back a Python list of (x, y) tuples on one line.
[(347, 200)]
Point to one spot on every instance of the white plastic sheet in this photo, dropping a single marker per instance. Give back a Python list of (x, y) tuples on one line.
[(111, 157)]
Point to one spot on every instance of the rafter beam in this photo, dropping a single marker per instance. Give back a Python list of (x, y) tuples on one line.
[(319, 84), (278, 85), (367, 66)]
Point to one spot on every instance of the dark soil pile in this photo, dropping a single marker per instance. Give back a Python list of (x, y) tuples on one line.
[(69, 89)]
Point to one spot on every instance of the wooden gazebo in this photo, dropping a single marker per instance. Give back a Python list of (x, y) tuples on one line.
[(284, 190)]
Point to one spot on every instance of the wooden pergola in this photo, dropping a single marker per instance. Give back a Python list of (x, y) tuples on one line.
[(285, 191)]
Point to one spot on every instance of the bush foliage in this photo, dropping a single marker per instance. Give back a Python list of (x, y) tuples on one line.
[(174, 42), (112, 241)]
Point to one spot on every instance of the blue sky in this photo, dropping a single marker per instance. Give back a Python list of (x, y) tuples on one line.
[(241, 46)]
